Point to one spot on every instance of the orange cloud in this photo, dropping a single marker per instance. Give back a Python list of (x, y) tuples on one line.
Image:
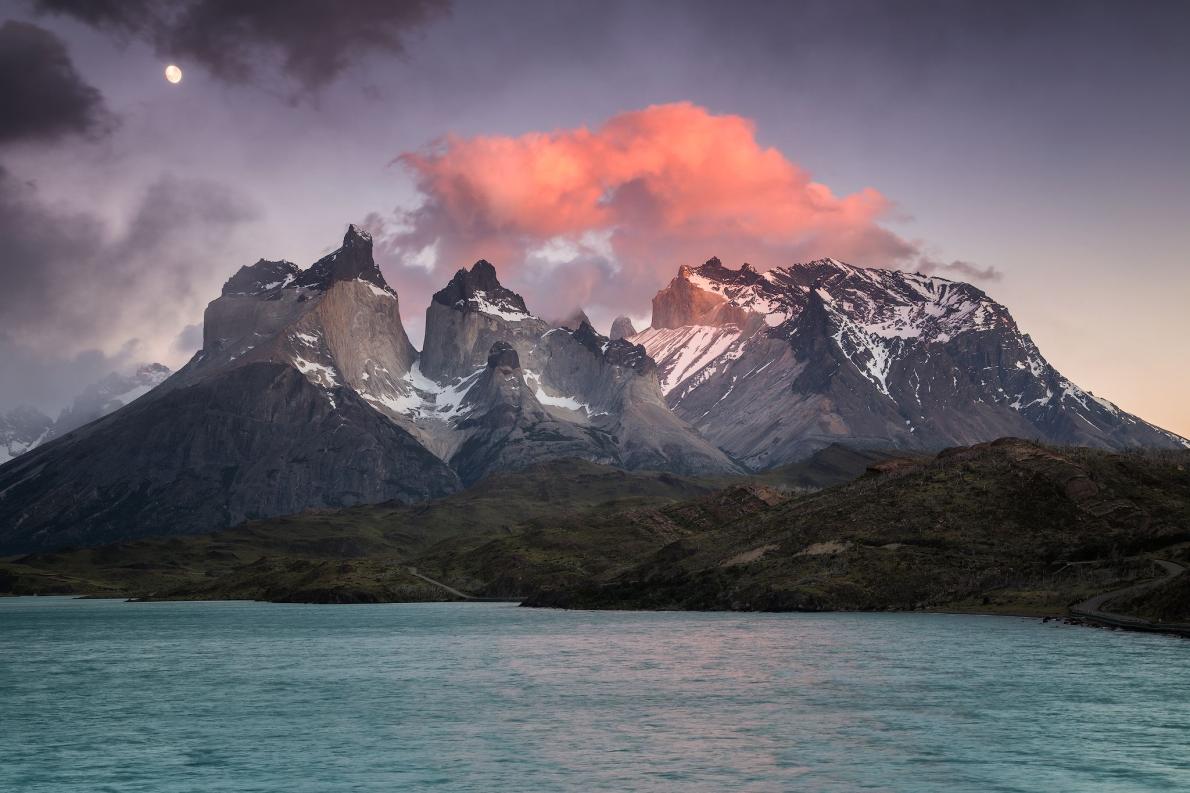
[(628, 202)]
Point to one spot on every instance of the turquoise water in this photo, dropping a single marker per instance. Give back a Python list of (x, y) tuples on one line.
[(166, 697)]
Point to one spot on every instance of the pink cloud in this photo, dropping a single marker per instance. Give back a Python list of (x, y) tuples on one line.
[(602, 218)]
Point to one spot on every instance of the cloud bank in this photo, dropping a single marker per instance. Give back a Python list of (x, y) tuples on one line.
[(602, 218)]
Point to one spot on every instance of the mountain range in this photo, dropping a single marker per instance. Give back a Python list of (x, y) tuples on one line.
[(307, 393), (25, 427)]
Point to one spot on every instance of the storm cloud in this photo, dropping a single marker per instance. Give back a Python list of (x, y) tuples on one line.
[(309, 41), (73, 287), (42, 95)]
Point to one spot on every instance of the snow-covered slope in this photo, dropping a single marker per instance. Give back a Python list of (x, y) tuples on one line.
[(774, 365)]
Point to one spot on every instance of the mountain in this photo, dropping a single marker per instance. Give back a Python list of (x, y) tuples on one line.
[(502, 388), (21, 429), (574, 320), (308, 394), (275, 414), (771, 366), (25, 427)]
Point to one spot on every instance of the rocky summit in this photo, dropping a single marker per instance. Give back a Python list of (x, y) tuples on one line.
[(771, 366), (308, 394)]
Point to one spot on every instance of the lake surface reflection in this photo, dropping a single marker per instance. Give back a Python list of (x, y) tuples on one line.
[(165, 697)]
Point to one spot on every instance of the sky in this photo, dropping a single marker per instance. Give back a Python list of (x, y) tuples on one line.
[(1037, 150)]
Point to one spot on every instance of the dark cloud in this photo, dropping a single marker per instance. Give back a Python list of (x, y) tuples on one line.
[(71, 285), (49, 382), (189, 339), (958, 270), (311, 41), (42, 95)]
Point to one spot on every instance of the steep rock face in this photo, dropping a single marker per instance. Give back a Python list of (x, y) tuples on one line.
[(504, 427), (612, 385), (258, 440), (297, 399), (337, 322), (772, 366), (467, 317), (622, 328)]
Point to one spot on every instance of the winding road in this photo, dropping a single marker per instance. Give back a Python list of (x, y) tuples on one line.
[(463, 595), (1092, 608)]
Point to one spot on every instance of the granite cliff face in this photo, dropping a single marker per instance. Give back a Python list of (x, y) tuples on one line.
[(772, 366), (559, 392), (286, 407), (468, 316)]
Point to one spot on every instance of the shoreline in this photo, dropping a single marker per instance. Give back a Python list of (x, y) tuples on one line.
[(1066, 617)]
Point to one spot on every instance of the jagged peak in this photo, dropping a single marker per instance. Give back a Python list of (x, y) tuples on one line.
[(264, 276), (356, 236), (479, 289), (352, 261)]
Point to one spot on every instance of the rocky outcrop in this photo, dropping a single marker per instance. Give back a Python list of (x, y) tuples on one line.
[(622, 328)]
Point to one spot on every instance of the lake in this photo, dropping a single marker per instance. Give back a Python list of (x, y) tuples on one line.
[(169, 697)]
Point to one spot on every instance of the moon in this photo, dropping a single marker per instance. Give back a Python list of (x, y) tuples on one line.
[(173, 74)]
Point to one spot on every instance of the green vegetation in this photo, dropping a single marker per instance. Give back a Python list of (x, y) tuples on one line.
[(1005, 527)]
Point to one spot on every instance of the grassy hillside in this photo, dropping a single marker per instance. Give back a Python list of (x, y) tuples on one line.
[(339, 555), (1007, 526)]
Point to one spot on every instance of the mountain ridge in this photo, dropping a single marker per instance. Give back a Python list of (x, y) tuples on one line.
[(740, 369), (820, 351)]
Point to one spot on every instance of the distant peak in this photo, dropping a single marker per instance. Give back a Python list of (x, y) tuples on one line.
[(622, 328), (574, 320), (480, 289)]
